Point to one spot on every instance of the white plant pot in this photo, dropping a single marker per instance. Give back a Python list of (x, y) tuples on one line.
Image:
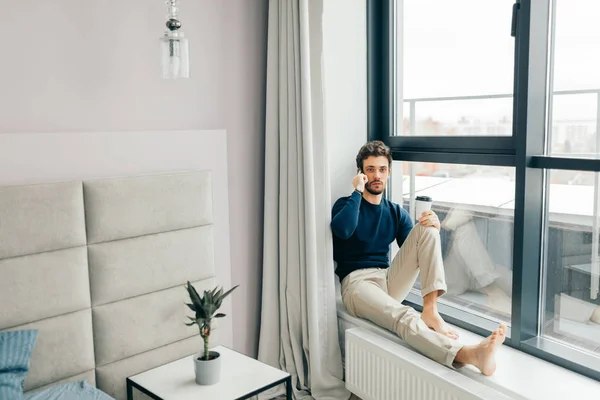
[(208, 372)]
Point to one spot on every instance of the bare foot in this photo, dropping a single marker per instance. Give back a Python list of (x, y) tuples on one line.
[(596, 315), (483, 355), (434, 321)]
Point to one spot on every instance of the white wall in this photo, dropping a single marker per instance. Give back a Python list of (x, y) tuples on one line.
[(345, 59), (73, 67)]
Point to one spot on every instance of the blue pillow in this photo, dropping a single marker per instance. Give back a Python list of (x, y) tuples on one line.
[(15, 352), (79, 390)]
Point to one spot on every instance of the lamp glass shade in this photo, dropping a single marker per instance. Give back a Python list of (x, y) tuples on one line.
[(175, 56)]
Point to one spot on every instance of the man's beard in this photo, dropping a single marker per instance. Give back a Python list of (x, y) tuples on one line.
[(375, 191)]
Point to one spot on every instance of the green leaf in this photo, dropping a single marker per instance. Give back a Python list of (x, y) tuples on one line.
[(194, 296), (206, 306), (210, 310), (228, 292), (218, 295), (206, 299), (191, 323)]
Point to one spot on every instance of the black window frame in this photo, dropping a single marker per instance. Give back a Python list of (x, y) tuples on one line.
[(524, 150)]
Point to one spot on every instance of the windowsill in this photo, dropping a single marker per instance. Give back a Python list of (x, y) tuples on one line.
[(471, 320), (519, 375), (579, 355)]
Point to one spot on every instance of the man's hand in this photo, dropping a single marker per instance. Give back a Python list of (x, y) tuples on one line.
[(429, 218), (359, 182)]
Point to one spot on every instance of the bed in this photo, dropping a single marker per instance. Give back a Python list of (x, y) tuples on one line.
[(97, 268)]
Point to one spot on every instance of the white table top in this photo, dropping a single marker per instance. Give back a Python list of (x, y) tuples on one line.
[(240, 375)]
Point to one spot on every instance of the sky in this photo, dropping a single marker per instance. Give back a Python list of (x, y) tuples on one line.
[(464, 48)]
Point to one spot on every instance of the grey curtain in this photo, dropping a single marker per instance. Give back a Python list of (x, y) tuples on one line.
[(299, 331)]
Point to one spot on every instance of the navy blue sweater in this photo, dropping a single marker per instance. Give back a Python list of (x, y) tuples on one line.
[(363, 232)]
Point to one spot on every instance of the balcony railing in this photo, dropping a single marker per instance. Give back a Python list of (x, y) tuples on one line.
[(414, 101)]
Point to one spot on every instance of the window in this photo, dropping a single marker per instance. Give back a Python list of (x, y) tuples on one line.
[(575, 80), (570, 297), (475, 204), (493, 109), (570, 302), (461, 116), (450, 81)]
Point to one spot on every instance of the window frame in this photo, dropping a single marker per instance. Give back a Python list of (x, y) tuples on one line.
[(532, 27), (381, 101)]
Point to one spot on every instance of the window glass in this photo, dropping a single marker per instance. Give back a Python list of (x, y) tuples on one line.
[(460, 49), (475, 205), (571, 275), (575, 79)]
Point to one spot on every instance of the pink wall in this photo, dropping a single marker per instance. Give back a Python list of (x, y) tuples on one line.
[(71, 66), (246, 63)]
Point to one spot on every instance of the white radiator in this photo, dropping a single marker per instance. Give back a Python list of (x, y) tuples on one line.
[(379, 369)]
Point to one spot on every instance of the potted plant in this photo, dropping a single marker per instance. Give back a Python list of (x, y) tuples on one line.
[(207, 365)]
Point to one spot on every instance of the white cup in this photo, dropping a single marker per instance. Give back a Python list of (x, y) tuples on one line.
[(422, 204)]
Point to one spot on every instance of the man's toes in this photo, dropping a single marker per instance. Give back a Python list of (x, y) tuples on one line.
[(452, 334)]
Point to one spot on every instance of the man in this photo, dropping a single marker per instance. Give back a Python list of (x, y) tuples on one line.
[(364, 224)]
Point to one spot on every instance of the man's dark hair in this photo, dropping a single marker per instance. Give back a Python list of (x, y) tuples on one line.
[(374, 148)]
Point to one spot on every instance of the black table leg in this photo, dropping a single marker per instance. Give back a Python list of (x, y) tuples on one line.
[(288, 388), (129, 390)]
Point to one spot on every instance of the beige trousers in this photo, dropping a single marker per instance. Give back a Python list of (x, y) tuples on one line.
[(376, 294)]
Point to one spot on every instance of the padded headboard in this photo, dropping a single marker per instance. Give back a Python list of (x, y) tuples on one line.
[(99, 268)]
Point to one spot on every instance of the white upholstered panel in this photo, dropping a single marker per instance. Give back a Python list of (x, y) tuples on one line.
[(150, 235), (64, 348), (37, 218), (43, 285), (110, 378), (126, 268), (130, 207), (133, 326)]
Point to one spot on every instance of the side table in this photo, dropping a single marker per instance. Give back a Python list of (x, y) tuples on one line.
[(241, 378)]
